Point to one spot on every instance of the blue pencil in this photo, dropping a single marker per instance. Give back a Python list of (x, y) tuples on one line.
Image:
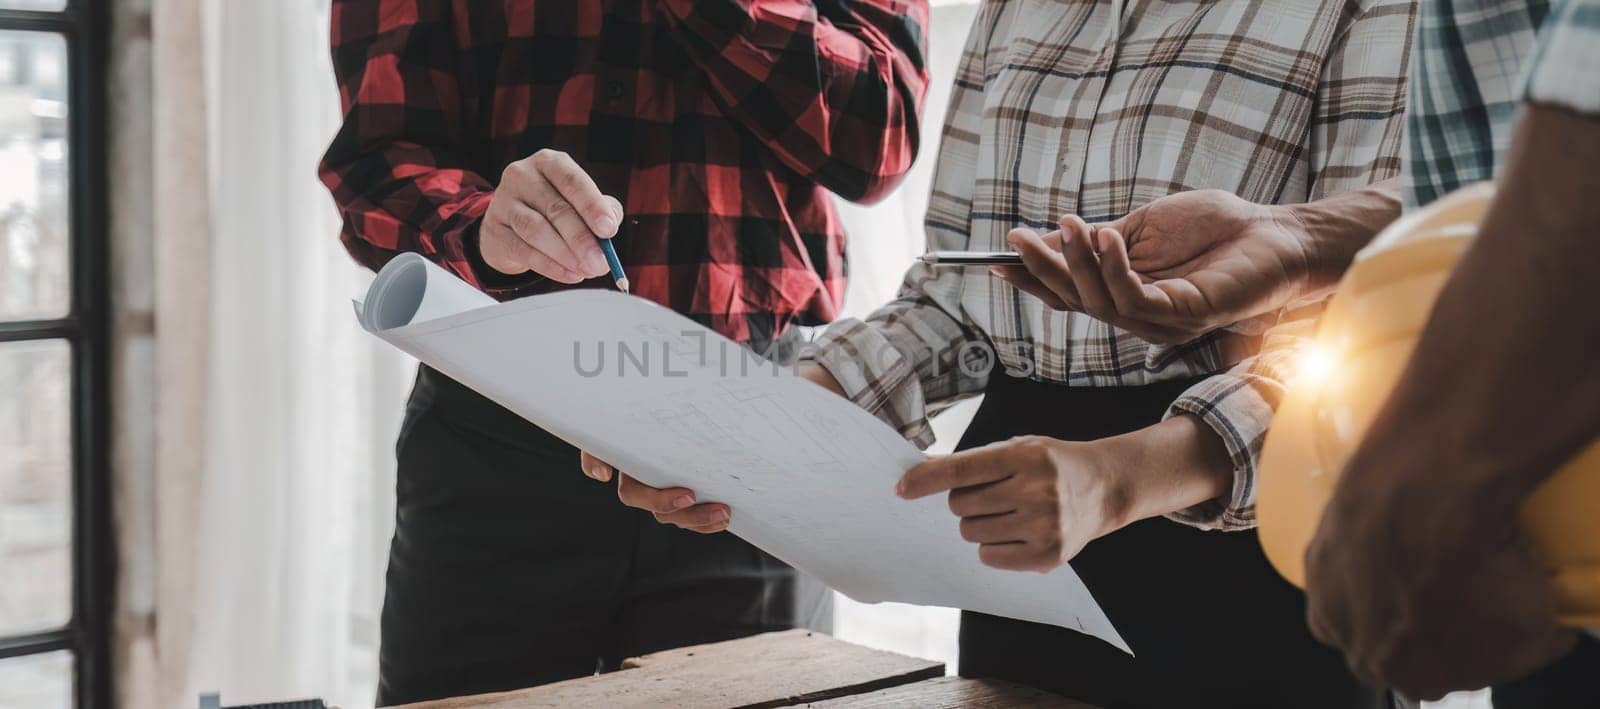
[(616, 265)]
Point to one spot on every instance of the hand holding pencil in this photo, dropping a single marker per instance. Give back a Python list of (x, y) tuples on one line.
[(546, 216)]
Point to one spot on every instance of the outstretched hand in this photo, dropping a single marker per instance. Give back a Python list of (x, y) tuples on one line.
[(1172, 270), (1029, 503)]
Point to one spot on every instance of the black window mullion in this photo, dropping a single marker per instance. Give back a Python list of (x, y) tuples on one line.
[(35, 643), (64, 22), (93, 554), (54, 329)]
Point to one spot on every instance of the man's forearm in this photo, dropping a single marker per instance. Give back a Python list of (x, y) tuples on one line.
[(1507, 373), (1337, 227)]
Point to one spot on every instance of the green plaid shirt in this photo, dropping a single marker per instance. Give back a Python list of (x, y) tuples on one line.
[(1474, 61)]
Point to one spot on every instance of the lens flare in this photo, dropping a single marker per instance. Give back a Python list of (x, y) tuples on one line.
[(1317, 364)]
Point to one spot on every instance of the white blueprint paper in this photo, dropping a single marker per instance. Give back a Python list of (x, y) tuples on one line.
[(809, 476)]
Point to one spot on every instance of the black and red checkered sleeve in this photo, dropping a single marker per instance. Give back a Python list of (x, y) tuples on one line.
[(396, 168), (833, 87)]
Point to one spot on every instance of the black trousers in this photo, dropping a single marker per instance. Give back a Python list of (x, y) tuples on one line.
[(1573, 682), (509, 568), (1212, 624)]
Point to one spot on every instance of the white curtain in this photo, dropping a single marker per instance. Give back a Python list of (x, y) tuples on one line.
[(276, 415), (302, 405), (275, 488)]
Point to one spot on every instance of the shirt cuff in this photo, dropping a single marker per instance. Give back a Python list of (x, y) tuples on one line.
[(1561, 71), (876, 376), (1256, 325), (1235, 409)]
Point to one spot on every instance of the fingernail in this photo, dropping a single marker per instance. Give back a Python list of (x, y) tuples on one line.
[(900, 488), (682, 501), (607, 224), (720, 516)]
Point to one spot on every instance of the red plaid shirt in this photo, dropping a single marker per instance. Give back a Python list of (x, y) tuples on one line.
[(720, 124)]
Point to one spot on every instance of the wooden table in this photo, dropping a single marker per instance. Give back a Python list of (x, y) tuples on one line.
[(791, 668)]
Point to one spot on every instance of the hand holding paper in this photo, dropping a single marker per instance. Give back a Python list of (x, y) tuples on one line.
[(808, 475), (1031, 503), (676, 506)]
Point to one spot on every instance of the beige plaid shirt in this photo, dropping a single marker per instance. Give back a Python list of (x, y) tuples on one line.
[(1061, 108)]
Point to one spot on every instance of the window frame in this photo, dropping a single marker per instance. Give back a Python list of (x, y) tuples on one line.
[(84, 26)]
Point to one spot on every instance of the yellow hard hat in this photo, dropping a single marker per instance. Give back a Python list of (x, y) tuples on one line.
[(1362, 344)]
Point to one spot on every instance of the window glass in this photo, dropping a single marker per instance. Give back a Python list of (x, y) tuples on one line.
[(36, 681), (33, 176), (33, 4), (35, 487)]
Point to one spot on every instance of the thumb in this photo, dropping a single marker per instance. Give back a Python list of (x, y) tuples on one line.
[(615, 208), (594, 467)]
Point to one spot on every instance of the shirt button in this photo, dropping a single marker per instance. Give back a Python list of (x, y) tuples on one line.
[(614, 89)]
